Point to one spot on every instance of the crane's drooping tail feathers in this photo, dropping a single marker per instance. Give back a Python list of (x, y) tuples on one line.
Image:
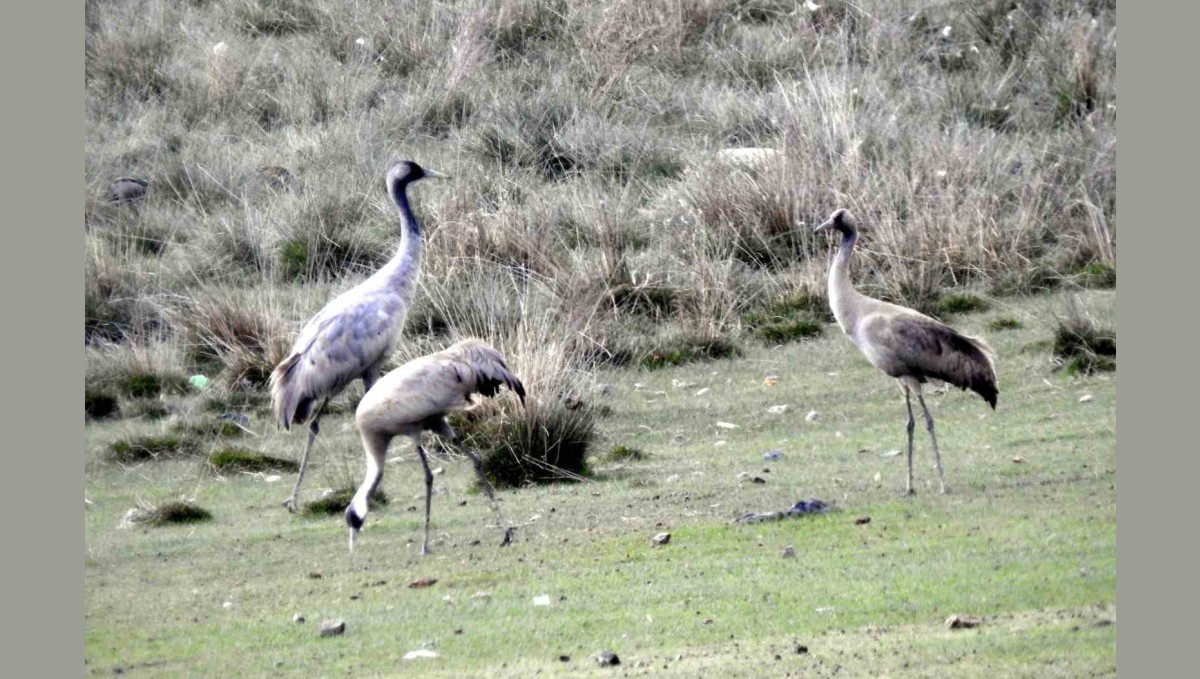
[(288, 406), (978, 372), (490, 369)]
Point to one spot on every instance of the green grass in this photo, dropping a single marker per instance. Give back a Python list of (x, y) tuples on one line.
[(229, 460), (1030, 548)]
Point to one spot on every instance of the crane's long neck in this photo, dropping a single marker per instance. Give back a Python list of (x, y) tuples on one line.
[(843, 297), (401, 272)]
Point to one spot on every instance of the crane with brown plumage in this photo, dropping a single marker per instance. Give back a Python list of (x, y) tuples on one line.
[(905, 344), (354, 334), (415, 398)]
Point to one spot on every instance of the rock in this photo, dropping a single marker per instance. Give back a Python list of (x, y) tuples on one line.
[(1085, 398), (227, 605), (333, 628), (607, 659), (438, 471), (703, 391), (422, 583), (272, 478), (420, 653), (958, 621), (789, 552), (541, 600), (679, 439), (862, 521), (811, 416), (758, 479), (240, 419), (298, 618), (770, 381), (682, 384), (890, 453), (801, 649), (564, 658), (127, 190), (674, 478), (1017, 459), (726, 425), (773, 455), (661, 539), (777, 410)]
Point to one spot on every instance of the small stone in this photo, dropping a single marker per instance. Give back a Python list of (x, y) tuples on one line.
[(801, 649), (758, 479), (607, 659), (227, 605), (674, 478), (420, 653), (314, 575), (811, 416), (703, 391), (564, 658), (773, 455), (422, 583), (679, 439), (298, 618), (332, 628), (890, 453), (273, 478), (661, 539), (541, 600), (1085, 398), (862, 521), (438, 471), (958, 621), (1017, 459), (789, 552), (878, 477), (278, 664), (777, 410), (727, 425), (770, 380), (481, 595)]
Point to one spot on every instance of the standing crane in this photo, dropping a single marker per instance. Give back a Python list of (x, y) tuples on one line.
[(905, 344), (355, 333), (414, 399)]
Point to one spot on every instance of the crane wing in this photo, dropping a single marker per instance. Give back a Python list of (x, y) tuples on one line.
[(344, 340), (926, 349)]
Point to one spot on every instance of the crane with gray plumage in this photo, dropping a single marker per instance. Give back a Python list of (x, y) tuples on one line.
[(355, 333), (415, 398), (905, 344)]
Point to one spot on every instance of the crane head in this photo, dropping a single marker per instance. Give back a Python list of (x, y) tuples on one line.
[(841, 220), (407, 172)]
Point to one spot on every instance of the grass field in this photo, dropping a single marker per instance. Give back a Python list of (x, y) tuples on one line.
[(1029, 547)]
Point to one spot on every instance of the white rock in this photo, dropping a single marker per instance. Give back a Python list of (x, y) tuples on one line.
[(220, 49), (890, 453), (777, 410), (1085, 398), (674, 478), (273, 478), (438, 471), (541, 600), (727, 425), (227, 605), (420, 653), (703, 391), (811, 416), (720, 443)]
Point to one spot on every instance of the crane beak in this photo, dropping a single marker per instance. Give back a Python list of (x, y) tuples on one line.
[(827, 225), (430, 174), (353, 534)]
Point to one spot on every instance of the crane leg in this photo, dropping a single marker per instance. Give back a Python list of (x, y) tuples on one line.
[(314, 428), (937, 457), (428, 495), (445, 431), (912, 424)]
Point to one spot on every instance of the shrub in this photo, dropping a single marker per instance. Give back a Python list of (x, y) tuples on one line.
[(782, 332), (623, 453), (167, 514), (688, 349), (1097, 275)]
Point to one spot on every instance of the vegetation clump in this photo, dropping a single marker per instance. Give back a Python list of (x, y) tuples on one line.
[(228, 460)]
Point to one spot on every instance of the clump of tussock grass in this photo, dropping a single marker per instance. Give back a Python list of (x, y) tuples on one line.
[(167, 514), (337, 501), (1097, 275), (207, 429), (623, 453), (118, 298), (150, 447), (150, 384), (687, 348), (998, 324), (961, 303), (227, 460), (99, 404), (789, 330), (145, 409), (275, 18), (234, 400), (789, 318), (329, 239), (244, 337), (129, 64), (1081, 345)]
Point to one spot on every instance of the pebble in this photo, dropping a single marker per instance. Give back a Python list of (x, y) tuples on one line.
[(727, 425), (703, 391), (777, 410), (811, 416), (607, 659), (1085, 398), (298, 618), (789, 552), (420, 653), (541, 600), (661, 539), (332, 628), (773, 455)]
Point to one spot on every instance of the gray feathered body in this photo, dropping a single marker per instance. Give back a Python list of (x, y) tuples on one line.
[(407, 399), (904, 343)]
